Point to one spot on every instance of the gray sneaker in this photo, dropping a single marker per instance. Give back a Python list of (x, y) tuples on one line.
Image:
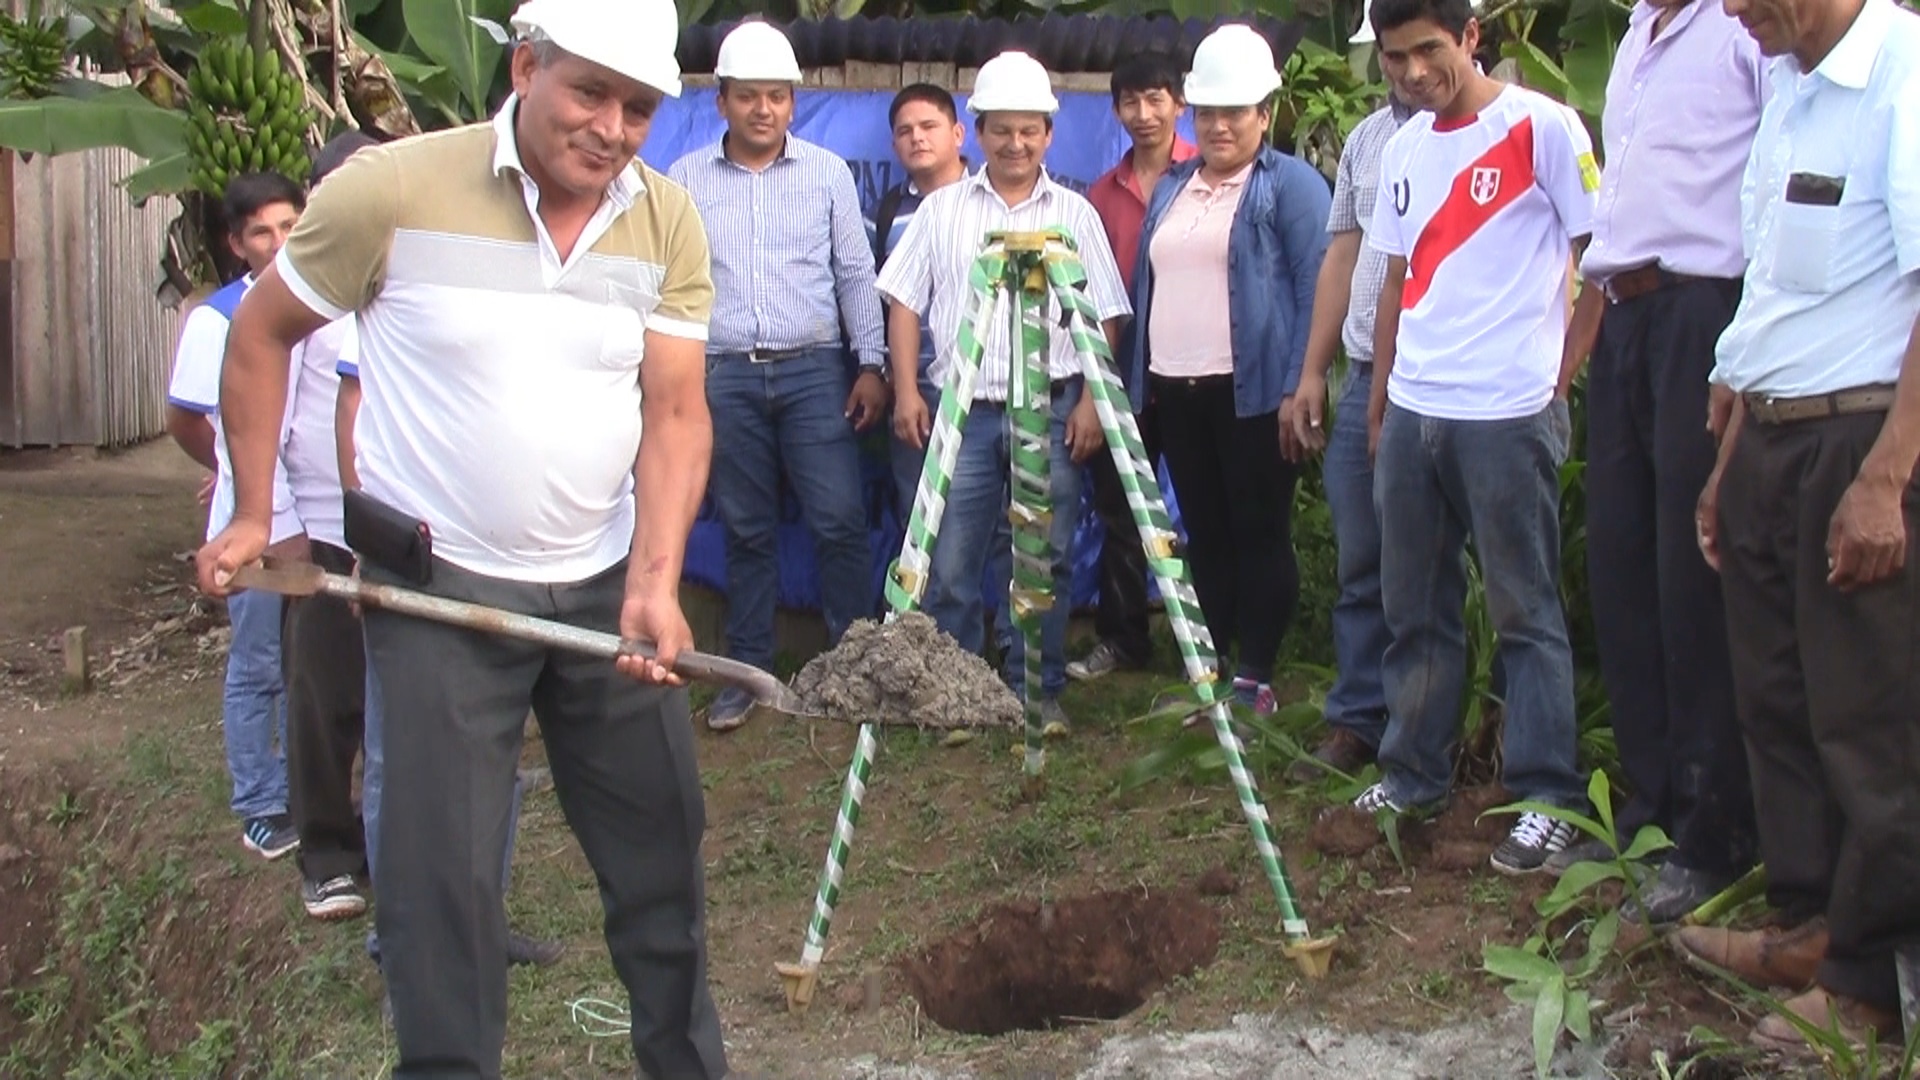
[(1103, 660)]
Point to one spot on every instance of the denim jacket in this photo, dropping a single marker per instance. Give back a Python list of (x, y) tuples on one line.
[(1278, 237)]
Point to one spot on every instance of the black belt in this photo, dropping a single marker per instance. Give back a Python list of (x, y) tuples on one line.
[(1055, 388), (1767, 409), (768, 356), (1651, 278), (1190, 382)]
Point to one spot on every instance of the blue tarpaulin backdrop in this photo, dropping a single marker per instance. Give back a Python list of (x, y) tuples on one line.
[(853, 124)]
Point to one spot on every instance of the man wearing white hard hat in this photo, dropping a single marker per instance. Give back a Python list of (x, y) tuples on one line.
[(1224, 282), (791, 267), (1013, 107), (527, 295)]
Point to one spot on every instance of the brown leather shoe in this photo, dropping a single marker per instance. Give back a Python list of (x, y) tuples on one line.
[(1828, 1011), (1772, 957), (1341, 750)]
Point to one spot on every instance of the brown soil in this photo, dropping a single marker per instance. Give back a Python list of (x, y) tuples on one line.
[(1459, 839), (103, 928), (906, 672), (1036, 966)]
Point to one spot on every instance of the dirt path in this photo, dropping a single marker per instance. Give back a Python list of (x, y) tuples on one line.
[(92, 539)]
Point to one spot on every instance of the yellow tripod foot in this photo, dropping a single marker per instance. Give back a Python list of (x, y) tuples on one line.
[(1311, 955), (801, 980)]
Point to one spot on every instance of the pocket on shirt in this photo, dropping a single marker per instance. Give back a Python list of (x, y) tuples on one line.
[(1803, 247), (623, 325)]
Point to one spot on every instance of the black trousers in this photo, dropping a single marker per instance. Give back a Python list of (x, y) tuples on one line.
[(1828, 686), (1236, 500), (1657, 610), (623, 765), (325, 665), (1121, 619)]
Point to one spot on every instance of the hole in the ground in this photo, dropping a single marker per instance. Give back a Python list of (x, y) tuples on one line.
[(1028, 966)]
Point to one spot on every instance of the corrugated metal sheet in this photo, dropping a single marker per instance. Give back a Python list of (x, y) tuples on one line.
[(92, 347)]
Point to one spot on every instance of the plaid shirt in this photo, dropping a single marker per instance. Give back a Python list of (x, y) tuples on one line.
[(1354, 191)]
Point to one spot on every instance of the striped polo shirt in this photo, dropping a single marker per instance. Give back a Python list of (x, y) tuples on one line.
[(501, 383)]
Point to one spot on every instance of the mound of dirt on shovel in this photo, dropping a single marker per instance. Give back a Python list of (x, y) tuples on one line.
[(905, 672)]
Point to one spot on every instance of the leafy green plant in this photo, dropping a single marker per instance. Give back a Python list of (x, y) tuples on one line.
[(1546, 973), (1320, 102)]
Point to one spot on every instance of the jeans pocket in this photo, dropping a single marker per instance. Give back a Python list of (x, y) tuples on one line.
[(1559, 430)]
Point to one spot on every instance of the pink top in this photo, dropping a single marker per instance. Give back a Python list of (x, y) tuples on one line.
[(1122, 206), (1190, 332)]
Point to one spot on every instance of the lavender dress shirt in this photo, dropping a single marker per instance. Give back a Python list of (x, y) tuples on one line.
[(1679, 122)]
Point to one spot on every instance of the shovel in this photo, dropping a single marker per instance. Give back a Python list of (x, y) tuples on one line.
[(307, 579)]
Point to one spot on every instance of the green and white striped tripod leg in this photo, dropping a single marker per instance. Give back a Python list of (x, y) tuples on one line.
[(906, 584), (1030, 593), (1197, 651)]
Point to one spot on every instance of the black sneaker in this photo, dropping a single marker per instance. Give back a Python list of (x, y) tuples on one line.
[(270, 837), (1535, 839), (333, 899), (533, 951), (1673, 894)]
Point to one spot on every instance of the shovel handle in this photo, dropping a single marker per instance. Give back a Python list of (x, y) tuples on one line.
[(689, 664)]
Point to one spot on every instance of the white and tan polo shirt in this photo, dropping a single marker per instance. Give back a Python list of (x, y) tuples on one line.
[(500, 383)]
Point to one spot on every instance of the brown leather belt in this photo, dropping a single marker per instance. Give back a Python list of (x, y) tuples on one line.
[(1633, 284), (1773, 410)]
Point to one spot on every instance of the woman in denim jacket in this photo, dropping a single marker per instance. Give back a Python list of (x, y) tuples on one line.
[(1223, 294)]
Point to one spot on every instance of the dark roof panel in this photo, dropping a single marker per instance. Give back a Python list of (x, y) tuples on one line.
[(1064, 43)]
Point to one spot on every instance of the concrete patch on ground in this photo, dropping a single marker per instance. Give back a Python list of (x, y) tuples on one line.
[(1266, 1048), (905, 672)]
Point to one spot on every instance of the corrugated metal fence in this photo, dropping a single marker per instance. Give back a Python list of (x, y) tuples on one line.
[(91, 345)]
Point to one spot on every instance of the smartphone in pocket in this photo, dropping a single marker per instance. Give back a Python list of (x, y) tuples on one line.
[(388, 538)]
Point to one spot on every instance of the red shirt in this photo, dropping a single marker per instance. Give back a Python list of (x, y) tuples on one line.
[(1122, 206)]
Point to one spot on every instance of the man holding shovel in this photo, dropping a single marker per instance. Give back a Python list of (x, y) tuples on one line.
[(527, 294)]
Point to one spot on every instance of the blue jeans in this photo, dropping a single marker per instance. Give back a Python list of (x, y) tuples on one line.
[(1437, 483), (907, 464), (373, 777), (786, 417), (253, 716), (975, 531), (1358, 700)]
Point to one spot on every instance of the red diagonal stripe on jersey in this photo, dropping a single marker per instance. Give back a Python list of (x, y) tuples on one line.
[(1459, 217)]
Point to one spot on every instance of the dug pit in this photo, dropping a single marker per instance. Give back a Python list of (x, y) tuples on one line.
[(905, 672), (1033, 966)]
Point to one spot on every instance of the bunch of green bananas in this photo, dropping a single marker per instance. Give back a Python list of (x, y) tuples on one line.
[(247, 113), (33, 56)]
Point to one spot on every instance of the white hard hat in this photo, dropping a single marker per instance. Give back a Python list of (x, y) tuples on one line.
[(635, 38), (1012, 82), (1233, 66), (758, 52), (1366, 36)]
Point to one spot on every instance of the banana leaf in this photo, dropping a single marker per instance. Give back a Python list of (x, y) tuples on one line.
[(169, 175), (445, 33), (119, 117)]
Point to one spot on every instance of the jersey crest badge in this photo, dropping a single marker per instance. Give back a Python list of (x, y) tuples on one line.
[(1485, 186)]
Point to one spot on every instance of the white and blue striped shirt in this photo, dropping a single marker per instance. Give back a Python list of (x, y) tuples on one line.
[(791, 264)]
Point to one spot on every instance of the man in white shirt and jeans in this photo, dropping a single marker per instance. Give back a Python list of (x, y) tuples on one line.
[(1484, 198), (1013, 104), (261, 210)]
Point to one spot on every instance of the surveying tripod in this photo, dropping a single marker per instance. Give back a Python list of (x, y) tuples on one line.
[(1028, 268)]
